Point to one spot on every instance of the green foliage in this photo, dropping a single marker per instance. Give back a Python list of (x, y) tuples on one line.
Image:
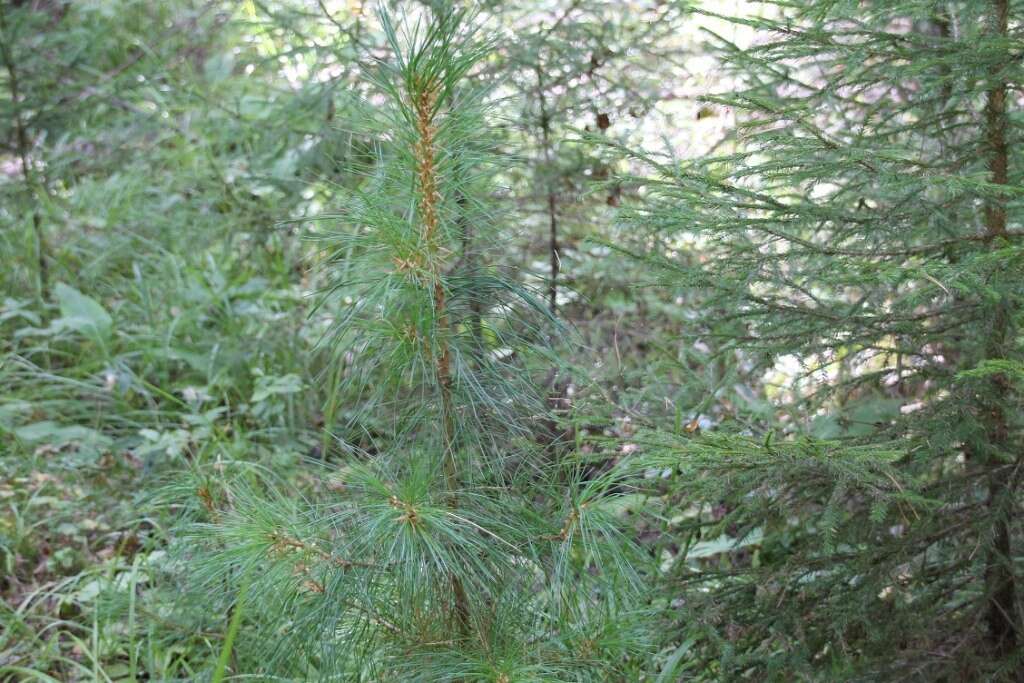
[(169, 328), (865, 225), (323, 356), (458, 549)]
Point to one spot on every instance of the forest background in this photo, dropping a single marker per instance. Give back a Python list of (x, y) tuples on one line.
[(171, 177)]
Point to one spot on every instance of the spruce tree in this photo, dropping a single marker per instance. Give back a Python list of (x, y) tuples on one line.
[(444, 545), (859, 248)]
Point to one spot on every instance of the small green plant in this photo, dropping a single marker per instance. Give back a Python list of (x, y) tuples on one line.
[(447, 546)]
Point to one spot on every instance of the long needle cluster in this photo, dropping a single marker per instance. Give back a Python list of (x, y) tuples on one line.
[(432, 561)]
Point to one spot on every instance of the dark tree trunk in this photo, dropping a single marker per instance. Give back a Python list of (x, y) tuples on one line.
[(1000, 582)]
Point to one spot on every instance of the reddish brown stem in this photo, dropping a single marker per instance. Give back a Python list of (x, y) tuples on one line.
[(424, 103), (1000, 582)]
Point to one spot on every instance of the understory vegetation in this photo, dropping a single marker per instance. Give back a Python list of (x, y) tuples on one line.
[(563, 340)]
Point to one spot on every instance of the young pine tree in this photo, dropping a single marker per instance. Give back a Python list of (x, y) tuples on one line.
[(447, 547), (867, 226)]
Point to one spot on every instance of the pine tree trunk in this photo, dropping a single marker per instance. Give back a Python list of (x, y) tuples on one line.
[(425, 99)]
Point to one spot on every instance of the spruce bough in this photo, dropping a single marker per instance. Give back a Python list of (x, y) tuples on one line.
[(868, 222)]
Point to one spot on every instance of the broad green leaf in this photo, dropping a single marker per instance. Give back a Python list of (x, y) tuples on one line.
[(724, 544), (269, 386), (80, 312), (50, 432)]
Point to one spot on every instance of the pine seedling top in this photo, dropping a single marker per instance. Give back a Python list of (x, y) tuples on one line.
[(431, 316)]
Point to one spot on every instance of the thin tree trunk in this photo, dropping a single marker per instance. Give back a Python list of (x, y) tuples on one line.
[(545, 131), (556, 262), (425, 151), (1001, 616), (22, 141)]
